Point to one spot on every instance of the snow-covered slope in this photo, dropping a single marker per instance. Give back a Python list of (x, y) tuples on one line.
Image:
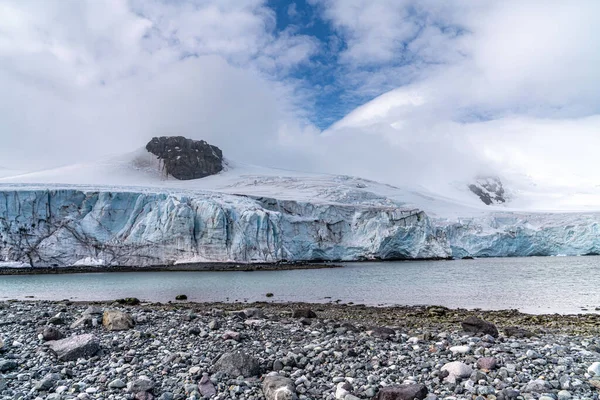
[(125, 211)]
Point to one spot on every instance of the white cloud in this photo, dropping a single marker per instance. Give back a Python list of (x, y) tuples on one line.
[(505, 86), (91, 78)]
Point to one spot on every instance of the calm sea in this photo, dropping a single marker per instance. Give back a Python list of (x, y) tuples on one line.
[(533, 284)]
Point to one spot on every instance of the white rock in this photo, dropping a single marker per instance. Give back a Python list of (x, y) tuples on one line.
[(457, 370), (594, 369), (460, 349)]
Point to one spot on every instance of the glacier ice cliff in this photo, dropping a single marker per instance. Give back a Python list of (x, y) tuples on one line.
[(65, 227), (525, 234)]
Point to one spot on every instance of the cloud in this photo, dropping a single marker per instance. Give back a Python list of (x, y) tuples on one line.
[(92, 78), (444, 90), (496, 87)]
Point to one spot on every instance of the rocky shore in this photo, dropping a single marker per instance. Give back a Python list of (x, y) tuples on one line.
[(24, 269), (128, 350)]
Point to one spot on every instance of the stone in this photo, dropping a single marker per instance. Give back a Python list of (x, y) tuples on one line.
[(130, 301), (238, 364), (460, 349), (82, 322), (144, 396), (51, 333), (231, 335), (7, 365), (278, 388), (532, 354), (186, 159), (402, 392), (537, 386), (74, 347), (206, 387), (457, 370), (115, 320), (117, 384), (213, 325), (58, 319), (594, 369), (256, 313), (46, 382), (141, 384), (516, 332), (479, 326), (342, 390), (382, 332), (181, 297), (487, 363), (304, 313), (564, 395), (93, 310)]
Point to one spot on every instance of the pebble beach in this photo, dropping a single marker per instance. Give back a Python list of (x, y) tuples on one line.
[(125, 349)]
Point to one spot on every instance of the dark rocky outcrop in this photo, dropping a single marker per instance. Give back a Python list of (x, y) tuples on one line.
[(478, 326), (489, 190), (186, 159)]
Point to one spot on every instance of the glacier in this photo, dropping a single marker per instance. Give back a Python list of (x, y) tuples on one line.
[(123, 212), (71, 227), (74, 227)]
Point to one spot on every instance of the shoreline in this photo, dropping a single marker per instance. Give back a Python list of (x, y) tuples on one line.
[(360, 313), (186, 267)]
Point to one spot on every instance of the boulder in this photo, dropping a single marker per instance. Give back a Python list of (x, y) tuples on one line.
[(382, 332), (479, 326), (83, 321), (7, 365), (141, 384), (402, 392), (594, 369), (487, 363), (343, 389), (186, 159), (516, 332), (304, 313), (231, 335), (457, 370), (115, 320), (74, 347), (279, 388), (50, 333), (130, 301), (93, 310), (238, 364), (206, 387), (537, 386), (255, 313)]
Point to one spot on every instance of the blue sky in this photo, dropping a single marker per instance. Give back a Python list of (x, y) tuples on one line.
[(386, 89)]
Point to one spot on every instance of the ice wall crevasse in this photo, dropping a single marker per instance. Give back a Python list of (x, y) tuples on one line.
[(67, 227)]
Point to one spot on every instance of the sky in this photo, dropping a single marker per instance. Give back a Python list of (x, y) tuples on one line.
[(402, 91)]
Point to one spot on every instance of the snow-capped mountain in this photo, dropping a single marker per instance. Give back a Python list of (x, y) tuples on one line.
[(125, 211)]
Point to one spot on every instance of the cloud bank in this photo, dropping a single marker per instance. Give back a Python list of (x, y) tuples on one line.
[(444, 90)]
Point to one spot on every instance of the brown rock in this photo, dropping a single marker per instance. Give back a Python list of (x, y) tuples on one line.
[(115, 320)]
